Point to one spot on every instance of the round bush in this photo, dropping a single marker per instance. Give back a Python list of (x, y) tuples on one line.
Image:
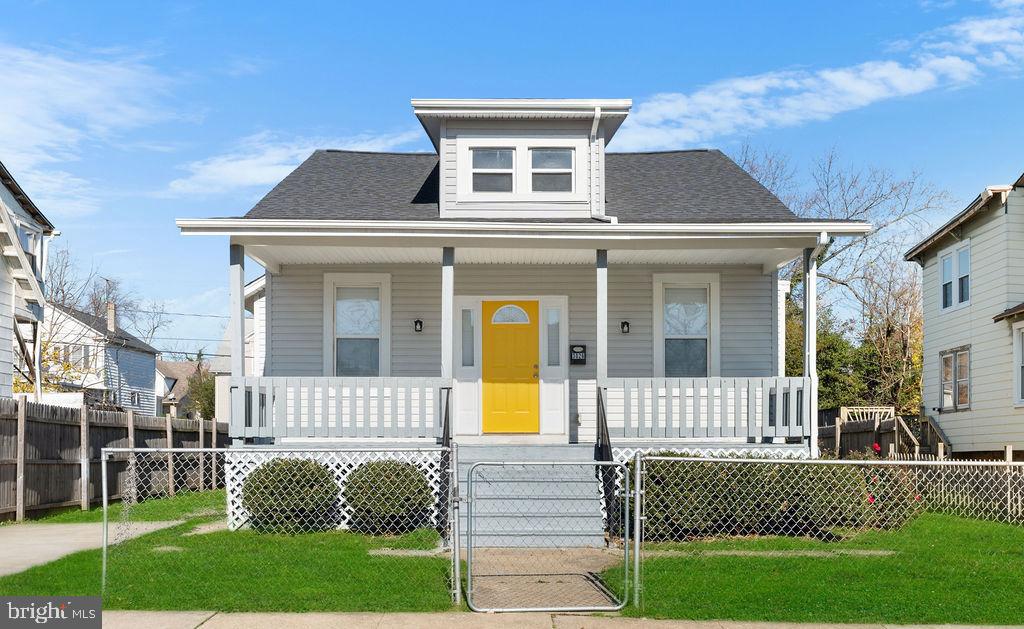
[(291, 496), (388, 498)]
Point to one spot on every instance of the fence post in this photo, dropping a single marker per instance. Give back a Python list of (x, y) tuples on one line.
[(941, 451), (83, 446), (839, 423), (202, 459), (19, 512), (1009, 453), (637, 535), (214, 435), (131, 428), (170, 457)]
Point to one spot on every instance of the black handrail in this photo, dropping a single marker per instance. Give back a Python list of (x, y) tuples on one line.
[(603, 442), (446, 426)]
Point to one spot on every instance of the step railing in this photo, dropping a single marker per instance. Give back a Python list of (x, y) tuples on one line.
[(361, 408), (695, 408)]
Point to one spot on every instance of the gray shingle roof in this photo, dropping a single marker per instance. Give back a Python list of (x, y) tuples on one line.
[(99, 324), (696, 186)]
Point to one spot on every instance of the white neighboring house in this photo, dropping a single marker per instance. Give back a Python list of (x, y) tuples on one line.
[(521, 286), (24, 238), (107, 363), (973, 283), (172, 397)]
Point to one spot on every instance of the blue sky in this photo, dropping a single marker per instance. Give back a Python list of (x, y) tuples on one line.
[(118, 118)]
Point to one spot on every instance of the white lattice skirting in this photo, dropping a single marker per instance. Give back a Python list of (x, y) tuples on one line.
[(238, 464)]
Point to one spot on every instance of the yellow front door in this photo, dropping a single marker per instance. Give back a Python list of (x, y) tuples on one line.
[(510, 355)]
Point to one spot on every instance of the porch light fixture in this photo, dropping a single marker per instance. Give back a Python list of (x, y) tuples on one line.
[(624, 326), (417, 325)]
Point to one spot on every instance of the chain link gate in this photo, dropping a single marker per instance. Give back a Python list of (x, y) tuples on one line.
[(547, 536)]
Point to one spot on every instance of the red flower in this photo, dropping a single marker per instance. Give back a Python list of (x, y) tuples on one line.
[(917, 497), (871, 499), (877, 448)]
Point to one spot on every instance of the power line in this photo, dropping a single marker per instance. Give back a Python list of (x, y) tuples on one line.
[(183, 314)]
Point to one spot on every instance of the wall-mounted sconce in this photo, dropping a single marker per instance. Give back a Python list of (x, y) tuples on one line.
[(417, 325), (624, 326)]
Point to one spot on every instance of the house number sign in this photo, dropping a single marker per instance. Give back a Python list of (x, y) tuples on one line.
[(577, 354)]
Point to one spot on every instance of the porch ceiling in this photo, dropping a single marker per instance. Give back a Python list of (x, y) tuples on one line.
[(275, 255)]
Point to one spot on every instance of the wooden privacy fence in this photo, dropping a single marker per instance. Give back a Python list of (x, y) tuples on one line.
[(854, 429), (50, 455)]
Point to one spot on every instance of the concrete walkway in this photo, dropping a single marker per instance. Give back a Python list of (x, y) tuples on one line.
[(211, 620), (27, 545)]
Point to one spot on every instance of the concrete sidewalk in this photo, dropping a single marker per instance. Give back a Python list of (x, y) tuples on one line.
[(455, 620), (33, 544)]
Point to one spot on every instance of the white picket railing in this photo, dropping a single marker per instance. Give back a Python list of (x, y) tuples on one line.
[(370, 408), (688, 408)]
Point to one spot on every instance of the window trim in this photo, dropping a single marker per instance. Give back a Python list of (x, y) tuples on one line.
[(952, 253), (955, 353), (522, 144), (1018, 363), (333, 281), (711, 281)]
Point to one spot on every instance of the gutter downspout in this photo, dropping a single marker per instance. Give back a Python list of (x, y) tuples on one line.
[(595, 213)]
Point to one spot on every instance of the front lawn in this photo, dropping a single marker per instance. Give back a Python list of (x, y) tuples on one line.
[(245, 571), (944, 570)]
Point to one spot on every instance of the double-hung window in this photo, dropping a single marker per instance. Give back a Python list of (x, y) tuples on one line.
[(356, 324), (686, 325), (551, 169), (493, 169), (955, 267), (1018, 362), (955, 376)]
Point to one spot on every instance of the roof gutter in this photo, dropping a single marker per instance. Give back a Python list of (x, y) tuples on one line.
[(979, 203), (287, 227), (596, 200)]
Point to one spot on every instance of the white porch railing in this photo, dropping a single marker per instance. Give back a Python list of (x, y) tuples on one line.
[(694, 408), (370, 408)]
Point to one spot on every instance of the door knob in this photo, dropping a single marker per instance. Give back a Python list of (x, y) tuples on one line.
[(535, 366), (534, 376)]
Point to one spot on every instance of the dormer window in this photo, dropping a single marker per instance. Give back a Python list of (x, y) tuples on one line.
[(552, 169), (493, 169)]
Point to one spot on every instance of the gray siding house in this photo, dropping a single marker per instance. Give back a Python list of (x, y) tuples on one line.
[(520, 286), (973, 283), (24, 238)]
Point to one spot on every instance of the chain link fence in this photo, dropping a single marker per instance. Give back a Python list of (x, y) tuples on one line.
[(283, 529), (703, 508), (546, 536)]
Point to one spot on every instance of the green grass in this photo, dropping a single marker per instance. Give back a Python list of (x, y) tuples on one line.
[(243, 570), (945, 570), (181, 507)]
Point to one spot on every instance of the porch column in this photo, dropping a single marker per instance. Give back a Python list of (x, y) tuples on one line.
[(447, 309), (810, 313), (811, 344), (601, 351), (236, 323)]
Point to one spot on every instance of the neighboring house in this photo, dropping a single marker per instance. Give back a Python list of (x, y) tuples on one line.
[(172, 387), (521, 286), (24, 237), (973, 269), (101, 359)]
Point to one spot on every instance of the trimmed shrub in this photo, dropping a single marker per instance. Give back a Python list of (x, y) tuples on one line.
[(388, 498), (291, 496)]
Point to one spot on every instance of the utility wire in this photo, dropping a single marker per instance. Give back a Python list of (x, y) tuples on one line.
[(183, 314)]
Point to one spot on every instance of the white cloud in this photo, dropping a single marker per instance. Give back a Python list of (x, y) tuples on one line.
[(946, 58), (55, 104), (264, 159)]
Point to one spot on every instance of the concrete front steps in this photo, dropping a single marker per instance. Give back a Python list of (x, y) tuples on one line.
[(526, 506)]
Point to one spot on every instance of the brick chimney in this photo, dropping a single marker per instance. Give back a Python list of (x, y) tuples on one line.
[(111, 318)]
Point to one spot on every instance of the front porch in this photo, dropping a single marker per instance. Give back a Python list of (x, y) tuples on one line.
[(669, 342)]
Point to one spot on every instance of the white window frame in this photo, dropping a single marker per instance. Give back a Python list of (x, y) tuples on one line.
[(334, 281), (522, 167), (1018, 363), (555, 171), (710, 281), (473, 170), (953, 254), (955, 354)]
